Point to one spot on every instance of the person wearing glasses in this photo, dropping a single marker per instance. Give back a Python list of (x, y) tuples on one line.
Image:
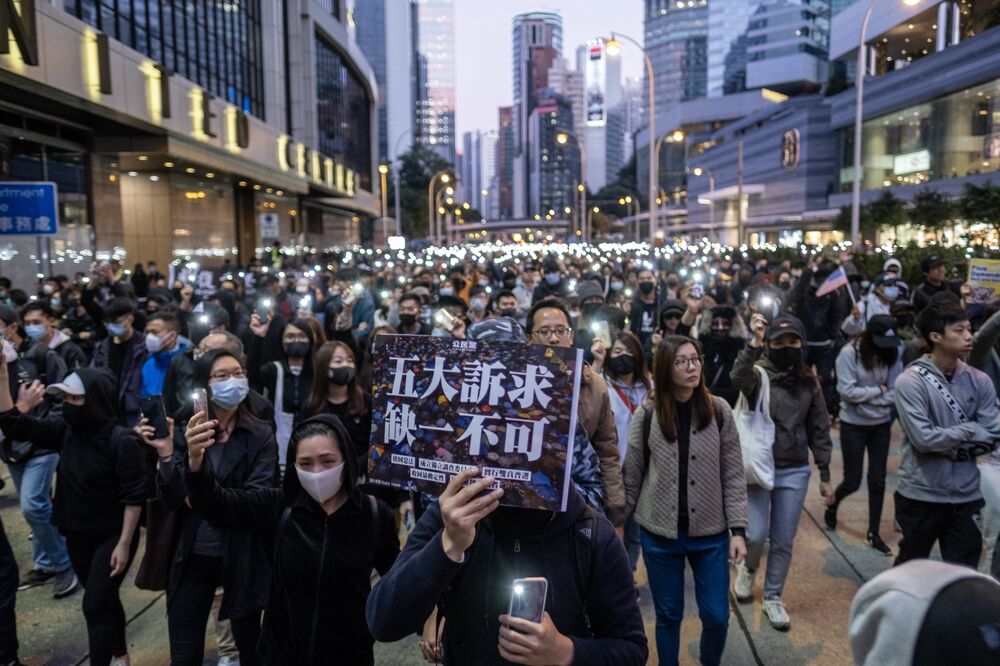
[(287, 382), (801, 425), (549, 324), (684, 478), (244, 457)]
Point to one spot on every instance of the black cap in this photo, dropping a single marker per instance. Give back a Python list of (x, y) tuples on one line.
[(673, 305), (786, 324), (931, 262), (901, 305), (883, 331)]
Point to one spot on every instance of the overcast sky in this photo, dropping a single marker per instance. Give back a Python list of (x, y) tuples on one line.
[(483, 46)]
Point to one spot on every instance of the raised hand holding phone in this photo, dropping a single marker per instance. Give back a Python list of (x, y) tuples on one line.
[(200, 434)]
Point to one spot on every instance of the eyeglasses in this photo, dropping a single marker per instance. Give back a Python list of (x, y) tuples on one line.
[(686, 363), (558, 331), (223, 376), (296, 338)]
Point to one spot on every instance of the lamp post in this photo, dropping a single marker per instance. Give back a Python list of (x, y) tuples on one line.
[(711, 201), (627, 201), (613, 47), (859, 96), (433, 232), (395, 179), (562, 138), (383, 170)]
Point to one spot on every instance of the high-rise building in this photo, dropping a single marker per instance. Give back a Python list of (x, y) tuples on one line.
[(537, 42), (633, 114), (470, 167), (553, 169), (676, 40), (787, 46), (569, 83), (384, 32), (603, 115), (506, 146), (728, 21), (434, 43), (487, 197)]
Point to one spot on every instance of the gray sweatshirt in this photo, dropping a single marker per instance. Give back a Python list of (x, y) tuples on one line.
[(934, 466), (861, 399)]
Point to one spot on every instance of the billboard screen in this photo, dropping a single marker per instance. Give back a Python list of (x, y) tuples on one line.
[(595, 78)]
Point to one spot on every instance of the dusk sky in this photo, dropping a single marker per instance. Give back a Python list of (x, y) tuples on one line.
[(483, 48)]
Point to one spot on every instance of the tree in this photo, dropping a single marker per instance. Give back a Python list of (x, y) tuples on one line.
[(888, 211), (931, 211), (624, 184), (980, 204), (417, 166), (866, 225)]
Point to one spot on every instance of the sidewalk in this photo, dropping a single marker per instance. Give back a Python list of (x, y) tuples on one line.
[(827, 569)]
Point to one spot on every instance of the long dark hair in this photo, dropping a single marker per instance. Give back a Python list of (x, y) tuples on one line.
[(873, 356), (663, 385), (634, 347), (321, 381)]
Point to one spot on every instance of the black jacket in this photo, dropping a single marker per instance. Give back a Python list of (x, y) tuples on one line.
[(102, 466), (264, 376), (473, 594), (249, 461), (130, 378), (36, 362), (320, 565)]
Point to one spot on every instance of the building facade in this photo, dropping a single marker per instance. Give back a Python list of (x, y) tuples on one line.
[(554, 169), (172, 133), (506, 149), (676, 40), (434, 43), (787, 46)]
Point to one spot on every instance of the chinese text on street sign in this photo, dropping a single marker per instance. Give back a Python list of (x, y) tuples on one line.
[(28, 209)]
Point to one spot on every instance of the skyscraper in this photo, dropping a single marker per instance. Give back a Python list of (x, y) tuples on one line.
[(488, 202), (727, 45), (553, 169), (537, 40), (384, 33), (506, 143), (787, 45), (676, 39), (434, 44)]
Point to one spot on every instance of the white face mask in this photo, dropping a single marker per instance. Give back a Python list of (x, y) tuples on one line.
[(321, 486), (153, 343)]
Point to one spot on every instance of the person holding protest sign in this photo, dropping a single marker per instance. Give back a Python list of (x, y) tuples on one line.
[(462, 558), (684, 477)]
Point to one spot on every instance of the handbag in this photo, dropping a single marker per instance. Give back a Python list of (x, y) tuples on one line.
[(161, 541), (756, 429)]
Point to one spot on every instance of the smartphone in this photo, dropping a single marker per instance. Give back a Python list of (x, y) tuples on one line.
[(444, 319), (154, 413), (527, 599), (602, 333), (264, 309), (200, 397), (697, 290)]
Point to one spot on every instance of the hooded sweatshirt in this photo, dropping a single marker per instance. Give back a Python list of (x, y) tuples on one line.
[(320, 564), (862, 402), (934, 466)]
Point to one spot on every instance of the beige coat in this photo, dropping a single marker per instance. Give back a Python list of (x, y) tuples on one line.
[(717, 487), (599, 422)]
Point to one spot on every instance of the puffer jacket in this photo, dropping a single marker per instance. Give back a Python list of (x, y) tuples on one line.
[(801, 422)]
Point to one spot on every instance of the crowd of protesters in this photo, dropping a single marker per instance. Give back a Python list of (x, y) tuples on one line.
[(255, 477)]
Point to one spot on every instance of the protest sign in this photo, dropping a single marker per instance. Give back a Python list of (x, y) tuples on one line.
[(984, 278), (441, 405)]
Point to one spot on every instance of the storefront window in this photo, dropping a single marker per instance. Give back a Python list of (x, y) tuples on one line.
[(951, 137)]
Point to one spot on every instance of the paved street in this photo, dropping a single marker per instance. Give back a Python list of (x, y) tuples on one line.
[(827, 569)]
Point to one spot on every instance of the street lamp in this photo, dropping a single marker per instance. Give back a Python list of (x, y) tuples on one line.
[(444, 177), (698, 171), (383, 169), (395, 152), (859, 95), (613, 47), (562, 138)]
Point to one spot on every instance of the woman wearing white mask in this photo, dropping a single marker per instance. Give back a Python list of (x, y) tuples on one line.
[(323, 536), (209, 554)]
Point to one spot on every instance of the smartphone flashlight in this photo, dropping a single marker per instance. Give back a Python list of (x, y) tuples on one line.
[(266, 302)]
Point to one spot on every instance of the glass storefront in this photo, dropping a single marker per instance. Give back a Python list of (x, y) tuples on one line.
[(215, 44), (343, 109), (950, 137)]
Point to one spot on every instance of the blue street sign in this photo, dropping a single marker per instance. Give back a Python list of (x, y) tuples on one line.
[(28, 209)]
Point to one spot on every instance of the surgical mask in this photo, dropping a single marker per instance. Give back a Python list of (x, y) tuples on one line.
[(552, 278), (117, 330), (55, 303), (484, 282), (892, 293), (479, 303), (321, 486), (35, 331), (340, 376), (48, 289), (447, 291), (786, 359), (153, 343), (407, 319), (296, 349), (622, 365), (617, 286), (229, 393)]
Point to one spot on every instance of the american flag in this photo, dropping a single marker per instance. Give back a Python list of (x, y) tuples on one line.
[(837, 279)]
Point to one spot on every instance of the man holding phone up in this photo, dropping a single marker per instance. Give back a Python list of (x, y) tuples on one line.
[(463, 558)]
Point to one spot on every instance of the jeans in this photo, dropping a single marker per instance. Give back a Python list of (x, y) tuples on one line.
[(854, 441), (8, 595), (953, 526), (33, 480), (773, 515), (90, 553), (188, 611), (632, 541), (709, 558)]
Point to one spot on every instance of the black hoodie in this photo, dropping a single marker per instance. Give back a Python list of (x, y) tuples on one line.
[(474, 593), (102, 466), (321, 565)]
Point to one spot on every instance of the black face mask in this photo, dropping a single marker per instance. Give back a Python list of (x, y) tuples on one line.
[(511, 522), (74, 415), (407, 320), (784, 284), (622, 365), (904, 321), (590, 309), (509, 284), (646, 287), (508, 312), (341, 376), (673, 283), (718, 335), (296, 349), (786, 359)]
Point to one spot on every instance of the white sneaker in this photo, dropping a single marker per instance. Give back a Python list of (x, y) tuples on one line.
[(743, 583), (776, 614), (121, 662), (227, 661)]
